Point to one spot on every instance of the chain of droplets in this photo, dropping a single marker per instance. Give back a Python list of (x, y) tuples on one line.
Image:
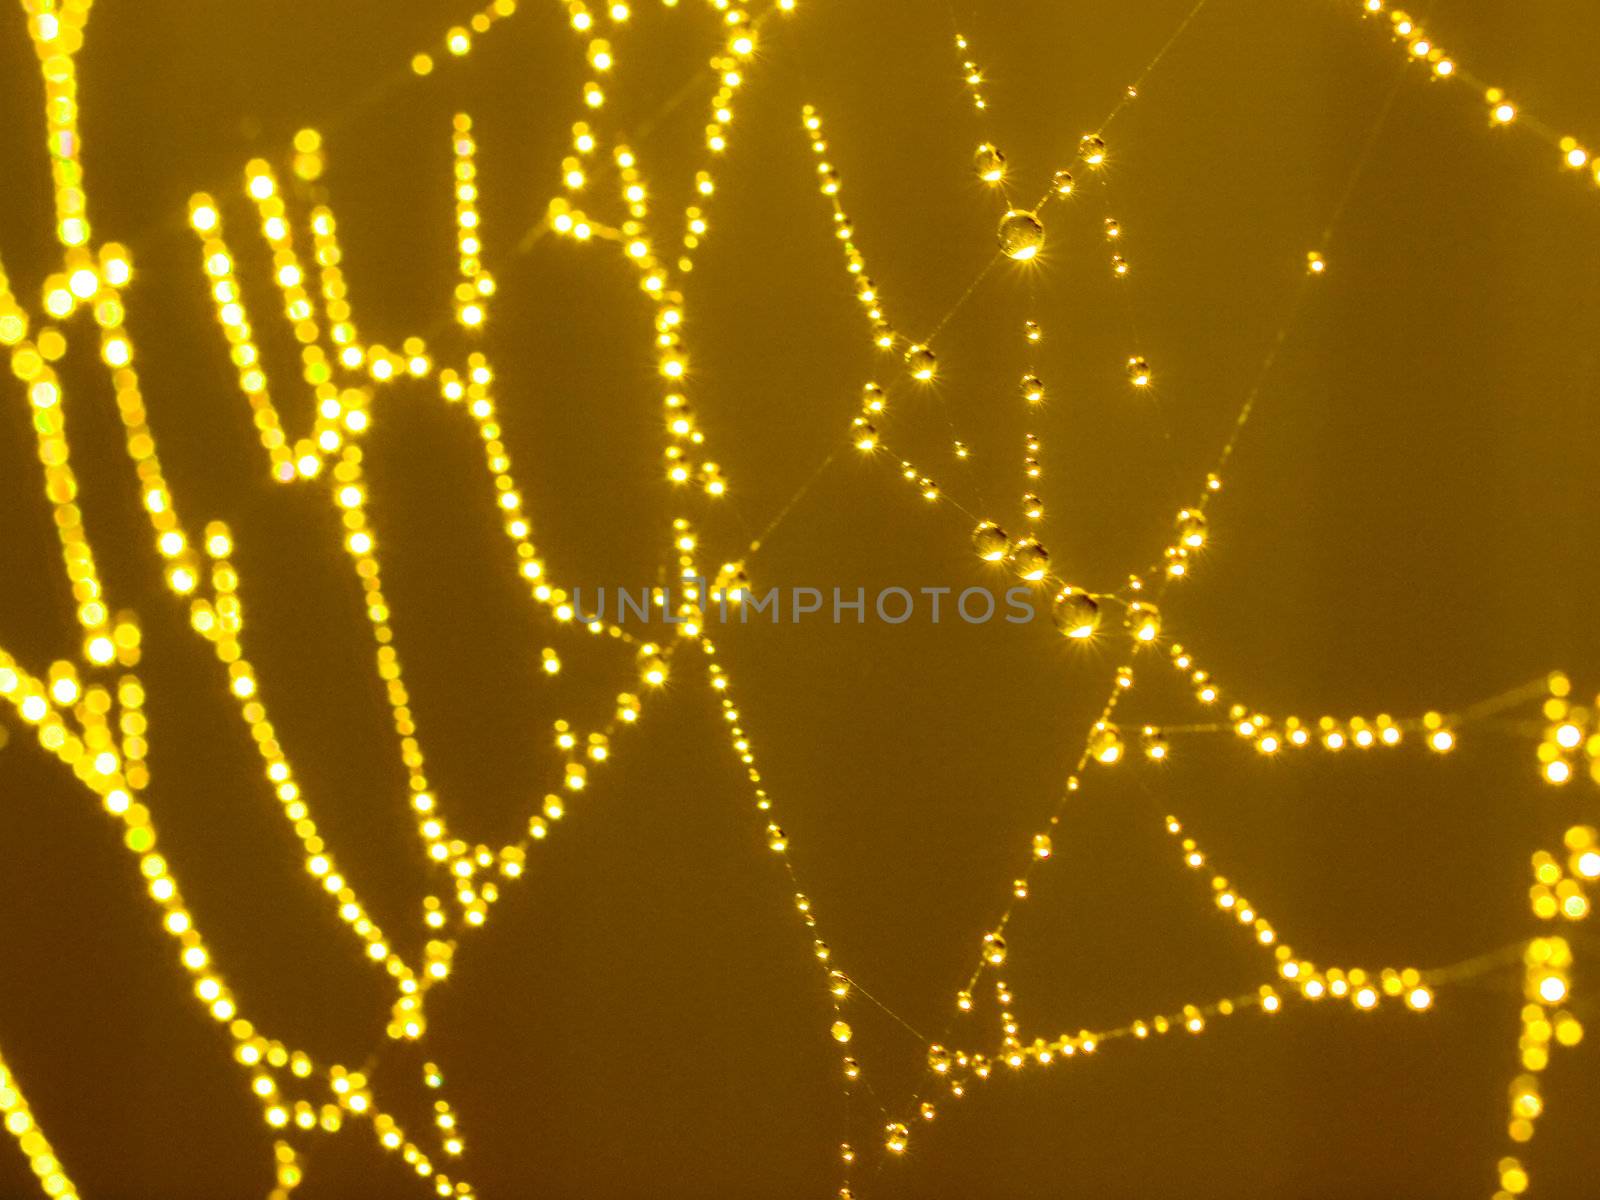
[(1021, 237), (116, 772)]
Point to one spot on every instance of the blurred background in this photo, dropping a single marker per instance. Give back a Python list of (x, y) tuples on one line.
[(1409, 522)]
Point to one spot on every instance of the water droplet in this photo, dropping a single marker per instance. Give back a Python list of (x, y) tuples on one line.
[(1092, 149), (994, 949), (1031, 331), (990, 541), (921, 362), (841, 1031), (1077, 614), (1062, 183), (989, 163), (1138, 371), (1021, 234), (1144, 621), (1032, 389), (1191, 528), (1030, 560), (1105, 744), (1042, 847), (895, 1136)]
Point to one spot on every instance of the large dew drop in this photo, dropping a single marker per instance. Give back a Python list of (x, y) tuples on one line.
[(1021, 234)]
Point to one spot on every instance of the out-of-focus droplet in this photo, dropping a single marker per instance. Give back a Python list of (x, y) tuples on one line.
[(1031, 331), (1105, 744), (1191, 529), (1144, 621), (841, 1031), (1042, 847), (994, 949)]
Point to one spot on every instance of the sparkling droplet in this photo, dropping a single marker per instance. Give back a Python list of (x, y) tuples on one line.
[(1155, 744), (1105, 744), (1092, 149), (1021, 234), (1062, 183), (1077, 614), (1032, 389), (994, 949), (927, 1110), (864, 433), (938, 1060), (841, 1031), (1030, 560), (852, 1069), (1042, 847), (989, 163), (1192, 528), (733, 581), (872, 398), (990, 541), (1138, 371), (1113, 229), (921, 362), (895, 1136), (1031, 331), (776, 840), (653, 668), (1032, 507), (1144, 621), (1119, 265)]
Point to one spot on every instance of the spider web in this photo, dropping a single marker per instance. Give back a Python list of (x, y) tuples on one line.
[(87, 710)]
